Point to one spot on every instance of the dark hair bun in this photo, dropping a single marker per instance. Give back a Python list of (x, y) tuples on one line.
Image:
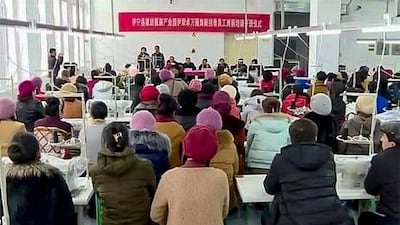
[(15, 152), (24, 148)]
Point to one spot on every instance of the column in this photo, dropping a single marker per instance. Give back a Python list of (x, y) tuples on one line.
[(324, 49)]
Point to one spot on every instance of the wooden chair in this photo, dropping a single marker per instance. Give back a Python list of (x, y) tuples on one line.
[(44, 135)]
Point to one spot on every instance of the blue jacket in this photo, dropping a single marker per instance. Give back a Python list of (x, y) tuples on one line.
[(153, 146), (267, 134), (381, 103)]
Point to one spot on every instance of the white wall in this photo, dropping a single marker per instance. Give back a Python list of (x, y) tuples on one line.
[(354, 55), (180, 44)]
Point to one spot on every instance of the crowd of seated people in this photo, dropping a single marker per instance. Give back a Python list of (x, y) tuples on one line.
[(186, 141)]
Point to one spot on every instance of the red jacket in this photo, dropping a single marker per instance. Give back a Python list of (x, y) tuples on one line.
[(267, 86), (90, 84), (301, 101)]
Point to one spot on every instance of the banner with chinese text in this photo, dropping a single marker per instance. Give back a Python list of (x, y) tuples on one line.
[(192, 22)]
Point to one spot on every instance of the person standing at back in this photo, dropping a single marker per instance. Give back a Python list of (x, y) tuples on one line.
[(383, 179), (319, 87), (158, 58), (303, 179), (54, 63), (125, 184), (36, 192)]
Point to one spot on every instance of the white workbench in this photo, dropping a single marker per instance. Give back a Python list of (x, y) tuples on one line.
[(251, 190), (81, 200)]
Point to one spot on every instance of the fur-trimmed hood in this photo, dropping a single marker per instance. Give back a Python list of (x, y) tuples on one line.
[(271, 122), (281, 116), (36, 169)]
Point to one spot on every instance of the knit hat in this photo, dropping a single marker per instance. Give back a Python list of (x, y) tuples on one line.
[(300, 73), (69, 88), (365, 104), (209, 118), (165, 75), (26, 88), (221, 102), (149, 93), (285, 72), (195, 85), (321, 104), (225, 79), (209, 74), (200, 144), (143, 120), (38, 82), (7, 108), (163, 89), (231, 90)]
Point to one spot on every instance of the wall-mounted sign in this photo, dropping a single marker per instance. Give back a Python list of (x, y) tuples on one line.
[(192, 22)]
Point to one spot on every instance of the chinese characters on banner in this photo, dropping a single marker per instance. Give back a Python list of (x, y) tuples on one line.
[(192, 22)]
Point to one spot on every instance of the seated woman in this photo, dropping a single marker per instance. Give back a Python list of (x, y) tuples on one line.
[(167, 124), (103, 89), (149, 99), (28, 109), (94, 129), (205, 96), (231, 90), (38, 89), (187, 112), (125, 183), (71, 107), (36, 192), (193, 193), (253, 106), (8, 125), (267, 134), (221, 102), (361, 122), (226, 158), (53, 118), (92, 82), (383, 179), (148, 143), (297, 98), (267, 83)]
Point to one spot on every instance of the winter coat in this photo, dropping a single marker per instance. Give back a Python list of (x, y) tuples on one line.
[(227, 159), (54, 121), (383, 179), (338, 110), (150, 106), (236, 127), (251, 108), (103, 90), (176, 133), (7, 130), (135, 91), (38, 195), (94, 131), (204, 100), (54, 64), (268, 133), (125, 185), (235, 111), (317, 88), (176, 86), (187, 117), (267, 86), (327, 130), (300, 100), (72, 109), (90, 85), (28, 112), (303, 179), (354, 126), (305, 84), (381, 103), (195, 196), (153, 146)]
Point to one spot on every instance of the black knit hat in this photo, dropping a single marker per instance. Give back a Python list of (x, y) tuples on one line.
[(392, 131)]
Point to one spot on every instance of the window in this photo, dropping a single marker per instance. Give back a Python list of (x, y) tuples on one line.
[(42, 10), (9, 9), (64, 13), (57, 12)]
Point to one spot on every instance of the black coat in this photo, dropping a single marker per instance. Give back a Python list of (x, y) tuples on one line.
[(327, 129), (187, 117), (304, 174), (54, 64), (383, 179), (135, 91), (38, 195), (28, 112)]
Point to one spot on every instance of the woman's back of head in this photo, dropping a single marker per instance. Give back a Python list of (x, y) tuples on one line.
[(98, 110), (271, 105), (256, 92), (297, 89), (24, 148), (52, 106), (166, 105), (140, 79), (115, 137), (187, 98)]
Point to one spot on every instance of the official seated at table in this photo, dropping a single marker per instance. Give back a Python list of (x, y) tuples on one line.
[(303, 179), (204, 64), (383, 179), (188, 64), (37, 193), (8, 125)]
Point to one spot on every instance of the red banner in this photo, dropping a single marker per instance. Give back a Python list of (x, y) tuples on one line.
[(192, 22)]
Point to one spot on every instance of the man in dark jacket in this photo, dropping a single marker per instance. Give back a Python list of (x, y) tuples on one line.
[(54, 63), (303, 178), (383, 179)]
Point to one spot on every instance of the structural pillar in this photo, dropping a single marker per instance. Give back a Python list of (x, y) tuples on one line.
[(324, 49)]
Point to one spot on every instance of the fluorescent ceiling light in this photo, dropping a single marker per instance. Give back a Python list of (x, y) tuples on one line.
[(288, 35), (392, 41), (367, 42), (324, 32), (381, 29), (250, 37), (265, 36), (239, 37)]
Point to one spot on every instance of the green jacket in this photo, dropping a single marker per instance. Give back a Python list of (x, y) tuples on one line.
[(125, 185)]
